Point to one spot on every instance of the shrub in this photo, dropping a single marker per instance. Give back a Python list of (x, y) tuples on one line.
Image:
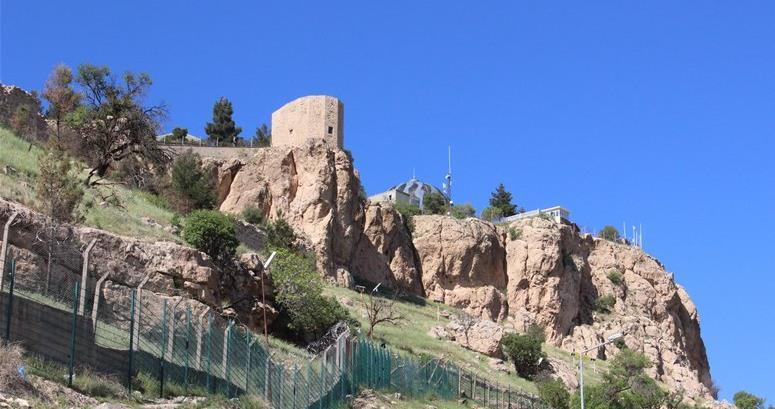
[(253, 215), (524, 350), (605, 303), (299, 293), (434, 203), (492, 213), (280, 234), (212, 232), (58, 189), (463, 211), (745, 400), (609, 233), (514, 234), (10, 361), (615, 277), (407, 211), (192, 186), (553, 393)]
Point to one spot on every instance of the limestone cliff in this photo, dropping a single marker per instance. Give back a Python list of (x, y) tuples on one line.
[(535, 270), (316, 190)]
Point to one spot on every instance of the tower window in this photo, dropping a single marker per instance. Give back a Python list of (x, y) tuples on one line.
[(330, 130)]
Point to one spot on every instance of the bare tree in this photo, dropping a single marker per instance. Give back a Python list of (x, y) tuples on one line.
[(380, 310)]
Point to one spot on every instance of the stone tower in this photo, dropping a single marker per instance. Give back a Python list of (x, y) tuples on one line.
[(311, 117)]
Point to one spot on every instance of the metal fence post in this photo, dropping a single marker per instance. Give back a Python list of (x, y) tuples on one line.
[(9, 309), (209, 346), (250, 342), (188, 348), (72, 335), (226, 341), (85, 275), (131, 341), (4, 246), (163, 347)]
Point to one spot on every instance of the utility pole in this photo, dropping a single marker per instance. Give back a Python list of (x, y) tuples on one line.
[(611, 339), (263, 296)]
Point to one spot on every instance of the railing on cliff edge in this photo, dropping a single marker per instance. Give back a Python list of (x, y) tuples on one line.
[(185, 347)]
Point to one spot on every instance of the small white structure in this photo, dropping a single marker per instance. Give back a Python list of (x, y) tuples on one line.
[(558, 213), (392, 196)]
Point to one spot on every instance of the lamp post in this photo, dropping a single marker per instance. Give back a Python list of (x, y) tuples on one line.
[(609, 340)]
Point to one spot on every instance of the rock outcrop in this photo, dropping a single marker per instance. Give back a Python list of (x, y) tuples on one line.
[(463, 264), (315, 189), (163, 267), (556, 276)]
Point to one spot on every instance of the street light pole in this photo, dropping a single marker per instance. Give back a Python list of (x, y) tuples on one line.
[(611, 339), (263, 296)]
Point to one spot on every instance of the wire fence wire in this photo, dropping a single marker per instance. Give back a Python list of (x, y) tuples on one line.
[(185, 348)]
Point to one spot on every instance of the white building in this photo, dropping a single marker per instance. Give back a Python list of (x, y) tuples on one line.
[(558, 213)]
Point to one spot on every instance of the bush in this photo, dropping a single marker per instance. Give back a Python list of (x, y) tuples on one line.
[(553, 393), (463, 211), (609, 233), (58, 189), (605, 303), (492, 213), (615, 277), (253, 215), (192, 186), (514, 234), (280, 234), (407, 211), (299, 293), (10, 361), (212, 232), (745, 400), (524, 350)]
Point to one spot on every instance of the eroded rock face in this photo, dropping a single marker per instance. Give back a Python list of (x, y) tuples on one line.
[(12, 99), (555, 276), (315, 189), (164, 267), (463, 264)]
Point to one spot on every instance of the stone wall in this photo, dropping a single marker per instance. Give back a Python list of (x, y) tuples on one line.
[(12, 98), (311, 117)]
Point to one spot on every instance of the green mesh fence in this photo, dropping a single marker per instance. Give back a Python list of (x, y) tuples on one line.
[(187, 348)]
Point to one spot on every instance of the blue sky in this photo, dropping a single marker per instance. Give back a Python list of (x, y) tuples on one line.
[(646, 112)]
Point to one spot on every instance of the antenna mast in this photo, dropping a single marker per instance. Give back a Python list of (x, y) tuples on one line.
[(448, 178)]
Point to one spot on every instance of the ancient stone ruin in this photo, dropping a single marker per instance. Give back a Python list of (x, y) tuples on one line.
[(311, 117)]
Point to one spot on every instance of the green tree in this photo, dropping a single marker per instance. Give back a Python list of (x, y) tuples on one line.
[(62, 98), (609, 233), (746, 400), (192, 186), (263, 136), (223, 128), (113, 122), (502, 199), (253, 215), (434, 203), (179, 135), (299, 294), (280, 234), (212, 232), (462, 211), (492, 213), (553, 393), (524, 351)]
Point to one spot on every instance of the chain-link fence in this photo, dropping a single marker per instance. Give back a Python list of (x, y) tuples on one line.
[(185, 347)]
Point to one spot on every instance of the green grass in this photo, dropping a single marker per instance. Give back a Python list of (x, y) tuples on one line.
[(124, 219), (412, 336)]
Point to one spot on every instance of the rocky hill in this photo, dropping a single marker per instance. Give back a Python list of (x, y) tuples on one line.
[(533, 271)]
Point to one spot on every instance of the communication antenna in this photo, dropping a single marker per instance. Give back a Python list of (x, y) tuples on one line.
[(640, 239), (624, 229), (635, 235), (448, 178)]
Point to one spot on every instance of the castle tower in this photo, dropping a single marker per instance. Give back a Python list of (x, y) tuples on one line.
[(311, 117)]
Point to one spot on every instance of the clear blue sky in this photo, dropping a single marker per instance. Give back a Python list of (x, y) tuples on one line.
[(648, 112)]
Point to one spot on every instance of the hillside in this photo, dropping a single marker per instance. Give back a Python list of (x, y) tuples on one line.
[(544, 273)]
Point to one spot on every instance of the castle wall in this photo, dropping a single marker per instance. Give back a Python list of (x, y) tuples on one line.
[(317, 116)]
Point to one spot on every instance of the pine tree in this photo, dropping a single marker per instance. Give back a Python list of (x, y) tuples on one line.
[(223, 127), (179, 135), (60, 95), (263, 137), (501, 199)]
